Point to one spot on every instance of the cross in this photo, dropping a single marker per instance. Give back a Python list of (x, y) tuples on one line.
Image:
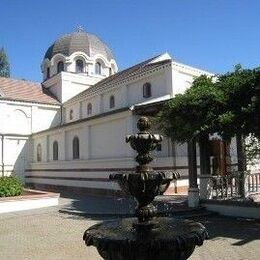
[(80, 28)]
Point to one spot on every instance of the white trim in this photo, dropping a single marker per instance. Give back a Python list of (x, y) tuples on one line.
[(29, 103), (190, 70)]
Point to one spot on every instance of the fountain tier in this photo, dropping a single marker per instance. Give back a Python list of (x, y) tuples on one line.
[(145, 237), (170, 239)]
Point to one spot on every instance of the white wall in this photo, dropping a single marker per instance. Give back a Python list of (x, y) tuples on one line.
[(52, 138), (15, 156), (95, 101), (126, 94), (99, 138), (160, 87), (15, 118), (183, 76), (44, 118), (81, 133), (120, 99), (180, 82), (25, 118), (18, 121), (75, 108), (107, 139)]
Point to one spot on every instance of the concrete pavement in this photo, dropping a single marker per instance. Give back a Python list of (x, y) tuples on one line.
[(56, 233)]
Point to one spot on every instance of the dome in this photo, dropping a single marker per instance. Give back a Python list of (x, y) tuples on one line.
[(79, 42)]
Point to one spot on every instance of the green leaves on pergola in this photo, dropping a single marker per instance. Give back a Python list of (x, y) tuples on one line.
[(228, 105)]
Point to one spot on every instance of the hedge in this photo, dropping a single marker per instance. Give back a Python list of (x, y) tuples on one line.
[(10, 186)]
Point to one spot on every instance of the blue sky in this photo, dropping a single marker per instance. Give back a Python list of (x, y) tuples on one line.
[(210, 34)]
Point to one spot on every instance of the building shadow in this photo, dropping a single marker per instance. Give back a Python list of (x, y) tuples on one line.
[(243, 230), (99, 209)]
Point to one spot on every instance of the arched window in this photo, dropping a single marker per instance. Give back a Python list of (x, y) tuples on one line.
[(55, 151), (98, 68), (112, 102), (39, 153), (110, 72), (89, 109), (60, 66), (71, 114), (75, 147), (48, 73), (147, 90), (79, 66)]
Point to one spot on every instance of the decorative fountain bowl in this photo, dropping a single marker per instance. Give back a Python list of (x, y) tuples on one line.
[(145, 237)]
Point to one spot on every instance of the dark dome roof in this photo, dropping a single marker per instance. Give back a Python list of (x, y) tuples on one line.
[(79, 41)]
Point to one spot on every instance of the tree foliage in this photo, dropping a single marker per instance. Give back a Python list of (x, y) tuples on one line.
[(4, 64), (252, 147), (188, 115), (241, 112), (227, 106)]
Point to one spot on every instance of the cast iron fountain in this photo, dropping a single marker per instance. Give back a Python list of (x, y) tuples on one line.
[(145, 237)]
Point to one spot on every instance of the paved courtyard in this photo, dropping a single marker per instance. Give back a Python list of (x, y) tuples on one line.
[(56, 233)]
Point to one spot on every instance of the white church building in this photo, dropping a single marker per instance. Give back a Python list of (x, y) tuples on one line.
[(68, 133)]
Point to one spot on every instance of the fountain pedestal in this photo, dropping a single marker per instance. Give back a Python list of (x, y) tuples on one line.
[(145, 237)]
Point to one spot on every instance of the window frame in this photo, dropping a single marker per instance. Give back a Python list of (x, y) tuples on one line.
[(79, 66), (55, 151), (39, 153), (75, 148), (98, 68), (89, 109), (112, 101), (71, 114), (147, 90), (60, 69)]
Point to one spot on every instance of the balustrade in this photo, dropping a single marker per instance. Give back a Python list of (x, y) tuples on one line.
[(229, 185), (253, 183)]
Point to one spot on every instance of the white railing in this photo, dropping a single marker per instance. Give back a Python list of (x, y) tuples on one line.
[(234, 185), (253, 183)]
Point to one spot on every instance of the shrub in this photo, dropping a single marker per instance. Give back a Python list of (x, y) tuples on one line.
[(10, 186)]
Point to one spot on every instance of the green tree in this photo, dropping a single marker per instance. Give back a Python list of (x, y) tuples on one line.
[(4, 64), (228, 105), (192, 116), (241, 110), (194, 113)]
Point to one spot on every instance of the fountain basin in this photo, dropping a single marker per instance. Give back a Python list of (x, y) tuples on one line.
[(169, 239)]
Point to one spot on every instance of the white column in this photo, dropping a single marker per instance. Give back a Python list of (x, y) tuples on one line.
[(34, 122), (101, 104), (89, 142), (47, 148), (80, 110), (63, 146), (125, 101)]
